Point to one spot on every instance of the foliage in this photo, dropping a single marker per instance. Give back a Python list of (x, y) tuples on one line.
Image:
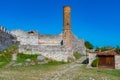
[(118, 49), (105, 48), (88, 45), (26, 56), (5, 54), (21, 57), (5, 58), (95, 62), (12, 49), (77, 55)]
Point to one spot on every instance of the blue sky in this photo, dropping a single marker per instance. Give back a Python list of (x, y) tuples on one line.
[(97, 21)]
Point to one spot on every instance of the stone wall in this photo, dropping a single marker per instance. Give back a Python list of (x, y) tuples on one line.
[(78, 45), (91, 57), (117, 61), (26, 38), (55, 52), (50, 39), (6, 39), (48, 45)]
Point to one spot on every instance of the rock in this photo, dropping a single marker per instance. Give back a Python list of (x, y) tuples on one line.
[(17, 64), (41, 58), (28, 60)]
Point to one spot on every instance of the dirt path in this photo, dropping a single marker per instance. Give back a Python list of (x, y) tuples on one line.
[(62, 73)]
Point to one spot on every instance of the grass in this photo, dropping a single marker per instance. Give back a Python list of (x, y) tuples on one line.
[(97, 74), (77, 55), (5, 58), (40, 72), (110, 72), (33, 72)]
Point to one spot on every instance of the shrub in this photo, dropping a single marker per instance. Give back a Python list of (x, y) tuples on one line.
[(106, 48), (88, 45), (26, 56), (5, 54), (95, 62), (5, 58), (77, 55), (12, 49), (21, 57), (118, 49)]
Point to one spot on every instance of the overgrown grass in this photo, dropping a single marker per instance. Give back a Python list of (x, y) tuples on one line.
[(77, 55), (96, 74), (5, 58), (32, 72), (110, 71), (21, 57)]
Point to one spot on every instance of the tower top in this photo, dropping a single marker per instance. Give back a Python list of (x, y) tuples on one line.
[(66, 19), (66, 8)]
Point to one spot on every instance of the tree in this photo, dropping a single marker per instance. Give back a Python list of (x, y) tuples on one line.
[(118, 49), (88, 45), (105, 48)]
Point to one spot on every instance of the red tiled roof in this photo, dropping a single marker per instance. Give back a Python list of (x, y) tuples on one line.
[(110, 52)]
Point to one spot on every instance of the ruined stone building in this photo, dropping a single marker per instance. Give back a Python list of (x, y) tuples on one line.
[(57, 47)]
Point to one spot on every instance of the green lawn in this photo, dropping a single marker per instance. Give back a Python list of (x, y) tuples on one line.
[(97, 74), (40, 72), (33, 72)]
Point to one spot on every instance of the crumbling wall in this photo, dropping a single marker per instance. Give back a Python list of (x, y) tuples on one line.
[(78, 45), (6, 39), (26, 38), (50, 39), (55, 52)]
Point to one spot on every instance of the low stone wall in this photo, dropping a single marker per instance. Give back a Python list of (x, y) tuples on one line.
[(117, 61), (91, 57), (55, 52)]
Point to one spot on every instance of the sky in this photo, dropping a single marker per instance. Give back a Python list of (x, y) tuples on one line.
[(96, 21)]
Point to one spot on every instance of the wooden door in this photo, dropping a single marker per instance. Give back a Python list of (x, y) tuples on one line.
[(106, 61)]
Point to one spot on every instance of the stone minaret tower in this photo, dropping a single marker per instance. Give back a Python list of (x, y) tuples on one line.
[(67, 28)]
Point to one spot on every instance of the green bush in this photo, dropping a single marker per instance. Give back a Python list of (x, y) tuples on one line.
[(105, 48), (77, 55), (5, 58), (118, 49), (7, 54), (21, 57), (95, 63), (26, 56), (88, 45)]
